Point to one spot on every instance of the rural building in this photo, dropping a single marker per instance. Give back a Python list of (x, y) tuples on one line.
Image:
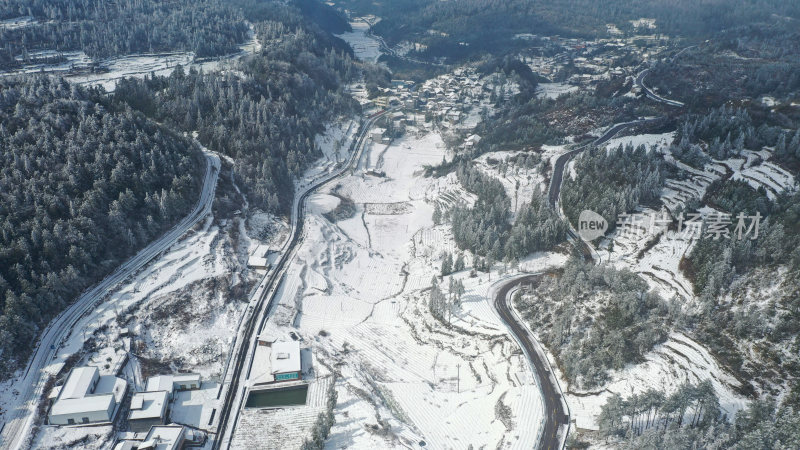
[(285, 361), (171, 383), (275, 361), (377, 134), (148, 409), (162, 437), (381, 102), (471, 141), (168, 437), (258, 259), (87, 397)]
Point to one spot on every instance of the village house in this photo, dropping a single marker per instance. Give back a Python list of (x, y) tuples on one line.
[(87, 397)]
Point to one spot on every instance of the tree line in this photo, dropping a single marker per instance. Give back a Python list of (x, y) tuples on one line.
[(595, 318), (102, 29), (485, 228), (84, 184), (468, 29), (266, 117), (691, 417), (612, 182)]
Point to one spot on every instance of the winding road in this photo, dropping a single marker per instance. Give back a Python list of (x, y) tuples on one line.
[(556, 410), (652, 95), (555, 416), (554, 404), (263, 297), (48, 356)]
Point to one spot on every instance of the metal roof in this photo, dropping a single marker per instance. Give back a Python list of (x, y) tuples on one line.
[(93, 403), (160, 383), (79, 382), (148, 405)]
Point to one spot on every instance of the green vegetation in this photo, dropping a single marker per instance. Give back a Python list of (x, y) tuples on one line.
[(84, 184), (101, 28), (467, 29), (484, 228), (595, 318), (267, 119), (612, 182)]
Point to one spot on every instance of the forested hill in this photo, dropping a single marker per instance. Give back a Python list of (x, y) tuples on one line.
[(104, 28), (464, 28), (86, 178), (83, 185), (265, 115)]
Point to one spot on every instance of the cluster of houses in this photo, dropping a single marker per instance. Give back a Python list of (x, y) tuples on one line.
[(593, 60), (445, 99), (89, 398)]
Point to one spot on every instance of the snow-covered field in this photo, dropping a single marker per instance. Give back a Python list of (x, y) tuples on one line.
[(365, 47), (131, 65), (678, 360), (554, 90), (356, 292)]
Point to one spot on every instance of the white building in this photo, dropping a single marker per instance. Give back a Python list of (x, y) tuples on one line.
[(170, 383), (285, 361), (87, 397), (148, 409), (258, 259), (377, 134), (278, 361)]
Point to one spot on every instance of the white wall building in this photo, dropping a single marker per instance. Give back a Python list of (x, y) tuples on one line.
[(170, 383), (87, 397), (148, 409)]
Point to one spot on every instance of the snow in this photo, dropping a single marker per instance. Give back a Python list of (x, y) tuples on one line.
[(659, 141), (322, 203), (529, 180), (137, 65), (86, 437), (771, 177), (17, 22), (285, 357), (676, 361), (554, 90), (194, 407), (363, 282), (365, 47), (679, 359)]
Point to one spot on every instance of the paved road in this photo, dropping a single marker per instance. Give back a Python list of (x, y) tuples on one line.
[(554, 191), (48, 358), (265, 295), (555, 417), (652, 95)]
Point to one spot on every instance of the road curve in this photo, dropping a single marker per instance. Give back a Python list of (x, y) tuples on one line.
[(554, 190), (652, 95), (554, 408), (265, 294), (555, 417), (47, 360)]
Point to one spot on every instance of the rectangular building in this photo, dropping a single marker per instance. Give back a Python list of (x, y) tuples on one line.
[(87, 397), (285, 361), (148, 409)]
